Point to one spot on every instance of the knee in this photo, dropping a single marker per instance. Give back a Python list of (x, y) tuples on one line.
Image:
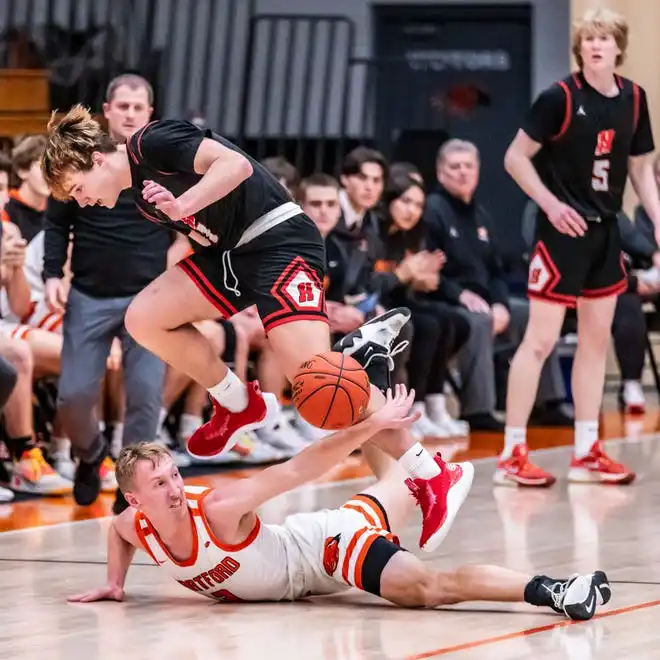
[(539, 342), (17, 352), (421, 588), (139, 320)]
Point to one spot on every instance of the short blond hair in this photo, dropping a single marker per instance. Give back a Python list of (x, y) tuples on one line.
[(599, 22), (130, 456), (71, 142)]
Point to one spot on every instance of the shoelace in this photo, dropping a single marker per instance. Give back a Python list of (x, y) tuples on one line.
[(39, 463), (389, 355), (601, 457), (557, 593)]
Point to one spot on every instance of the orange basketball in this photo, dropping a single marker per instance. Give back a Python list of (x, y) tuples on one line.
[(331, 391)]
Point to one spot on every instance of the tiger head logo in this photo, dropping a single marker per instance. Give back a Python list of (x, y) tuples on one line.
[(331, 554)]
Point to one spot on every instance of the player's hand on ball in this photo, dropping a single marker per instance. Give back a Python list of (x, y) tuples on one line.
[(567, 220), (162, 199), (395, 414), (108, 592)]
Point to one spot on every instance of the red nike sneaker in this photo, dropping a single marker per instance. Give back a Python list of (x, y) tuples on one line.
[(440, 498), (225, 428)]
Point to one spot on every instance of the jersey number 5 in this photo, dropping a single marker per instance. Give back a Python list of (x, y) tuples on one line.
[(600, 175)]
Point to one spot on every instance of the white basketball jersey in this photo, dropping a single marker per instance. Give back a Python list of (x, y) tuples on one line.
[(259, 568)]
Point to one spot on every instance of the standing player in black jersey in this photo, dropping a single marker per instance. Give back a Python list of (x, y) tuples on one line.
[(586, 134), (255, 247)]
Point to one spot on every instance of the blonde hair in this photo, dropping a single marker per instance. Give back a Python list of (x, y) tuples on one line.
[(130, 456), (27, 151), (601, 22), (71, 142)]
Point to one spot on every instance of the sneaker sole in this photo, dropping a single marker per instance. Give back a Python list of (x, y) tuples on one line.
[(586, 476), (348, 342), (455, 498), (273, 409), (503, 478)]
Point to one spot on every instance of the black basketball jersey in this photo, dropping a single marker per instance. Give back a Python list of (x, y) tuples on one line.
[(164, 152), (587, 139)]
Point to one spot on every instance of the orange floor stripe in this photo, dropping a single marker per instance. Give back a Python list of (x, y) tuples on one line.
[(527, 632)]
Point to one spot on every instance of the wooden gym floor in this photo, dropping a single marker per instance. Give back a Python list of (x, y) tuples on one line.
[(50, 549)]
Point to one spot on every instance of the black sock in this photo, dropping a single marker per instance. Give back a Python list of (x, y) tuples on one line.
[(18, 446), (539, 591)]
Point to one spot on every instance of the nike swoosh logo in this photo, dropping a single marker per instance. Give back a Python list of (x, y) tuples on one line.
[(592, 605), (421, 451)]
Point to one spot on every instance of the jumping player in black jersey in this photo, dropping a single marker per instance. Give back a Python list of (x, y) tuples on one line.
[(255, 247), (583, 137)]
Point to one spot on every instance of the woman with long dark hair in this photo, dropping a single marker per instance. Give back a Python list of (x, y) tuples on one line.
[(439, 331)]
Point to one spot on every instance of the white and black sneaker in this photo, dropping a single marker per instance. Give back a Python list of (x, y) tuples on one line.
[(577, 598), (371, 345)]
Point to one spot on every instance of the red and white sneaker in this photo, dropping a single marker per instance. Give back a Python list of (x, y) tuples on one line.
[(440, 498), (518, 470), (225, 428), (598, 467)]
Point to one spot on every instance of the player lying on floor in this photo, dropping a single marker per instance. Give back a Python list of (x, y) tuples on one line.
[(212, 541)]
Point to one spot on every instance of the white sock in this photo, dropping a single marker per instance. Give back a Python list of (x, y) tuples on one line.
[(418, 463), (586, 433), (436, 406), (188, 425), (230, 392), (60, 446), (162, 415), (513, 436)]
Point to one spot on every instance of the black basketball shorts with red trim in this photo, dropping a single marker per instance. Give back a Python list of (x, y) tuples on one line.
[(563, 269), (281, 272)]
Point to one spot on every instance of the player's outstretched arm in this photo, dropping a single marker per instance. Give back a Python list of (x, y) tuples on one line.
[(120, 555), (314, 461)]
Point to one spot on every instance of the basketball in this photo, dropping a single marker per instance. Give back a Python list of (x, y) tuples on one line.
[(331, 391)]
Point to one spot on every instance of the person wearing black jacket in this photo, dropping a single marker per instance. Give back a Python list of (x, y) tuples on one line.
[(439, 329), (473, 280), (115, 254)]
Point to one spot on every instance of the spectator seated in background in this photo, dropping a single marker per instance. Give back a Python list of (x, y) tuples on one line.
[(284, 172), (439, 329), (473, 280)]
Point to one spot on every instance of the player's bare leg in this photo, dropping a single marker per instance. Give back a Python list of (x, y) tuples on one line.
[(590, 462), (46, 350), (541, 335), (409, 582), (161, 318), (439, 488)]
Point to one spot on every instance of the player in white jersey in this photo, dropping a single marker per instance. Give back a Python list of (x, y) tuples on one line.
[(212, 541)]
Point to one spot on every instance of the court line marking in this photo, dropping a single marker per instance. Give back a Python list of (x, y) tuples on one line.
[(90, 562), (330, 485), (456, 648)]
